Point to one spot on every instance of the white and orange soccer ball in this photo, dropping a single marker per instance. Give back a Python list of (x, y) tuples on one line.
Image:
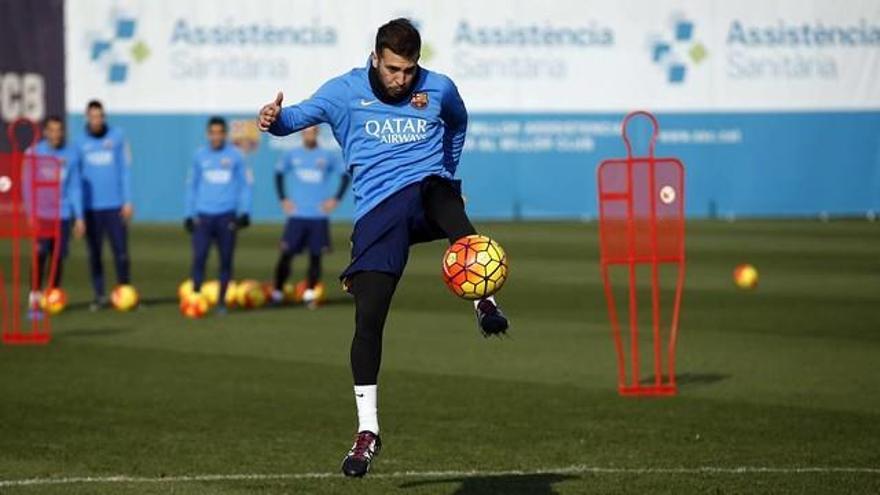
[(745, 276), (318, 295), (53, 301), (475, 267), (194, 305), (124, 297)]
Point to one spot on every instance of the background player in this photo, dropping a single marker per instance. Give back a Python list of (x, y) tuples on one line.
[(106, 180), (311, 170), (54, 144), (218, 202), (402, 129)]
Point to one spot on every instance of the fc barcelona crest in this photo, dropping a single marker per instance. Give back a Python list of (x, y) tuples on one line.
[(419, 100)]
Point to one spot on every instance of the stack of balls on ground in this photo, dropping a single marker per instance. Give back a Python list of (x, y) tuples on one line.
[(242, 294)]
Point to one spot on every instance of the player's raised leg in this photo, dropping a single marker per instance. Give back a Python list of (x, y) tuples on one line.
[(444, 207)]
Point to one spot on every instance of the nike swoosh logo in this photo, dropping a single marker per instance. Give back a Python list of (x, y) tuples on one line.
[(359, 395), (366, 103)]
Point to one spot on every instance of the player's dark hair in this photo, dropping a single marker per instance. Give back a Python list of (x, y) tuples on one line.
[(401, 37), (53, 118), (96, 104), (216, 120)]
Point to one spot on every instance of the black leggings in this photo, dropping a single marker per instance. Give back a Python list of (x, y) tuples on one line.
[(282, 270), (44, 267), (373, 290)]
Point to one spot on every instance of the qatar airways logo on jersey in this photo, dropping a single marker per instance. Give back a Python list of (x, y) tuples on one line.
[(397, 131)]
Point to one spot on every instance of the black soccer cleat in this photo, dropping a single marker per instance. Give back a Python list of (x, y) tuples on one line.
[(357, 462), (490, 318)]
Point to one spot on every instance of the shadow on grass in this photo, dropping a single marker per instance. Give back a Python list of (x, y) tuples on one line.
[(692, 379), (91, 332), (533, 484), (145, 303)]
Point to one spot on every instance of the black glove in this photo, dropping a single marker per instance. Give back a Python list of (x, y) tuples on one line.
[(243, 221), (189, 224)]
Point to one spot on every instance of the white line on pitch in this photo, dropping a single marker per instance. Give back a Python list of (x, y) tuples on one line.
[(443, 474)]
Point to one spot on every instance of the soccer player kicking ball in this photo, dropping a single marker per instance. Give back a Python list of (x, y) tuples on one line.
[(218, 201), (55, 145), (311, 169), (402, 129), (106, 180)]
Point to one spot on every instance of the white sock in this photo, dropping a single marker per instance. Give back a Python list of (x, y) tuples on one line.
[(368, 417), (490, 298)]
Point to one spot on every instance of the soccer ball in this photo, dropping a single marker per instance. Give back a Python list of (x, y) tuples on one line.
[(475, 267), (53, 301), (299, 292), (289, 291), (211, 291), (745, 276), (194, 305), (231, 298), (124, 297), (185, 288), (250, 294), (268, 289)]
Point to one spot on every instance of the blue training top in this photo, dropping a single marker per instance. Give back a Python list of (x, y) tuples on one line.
[(70, 201), (386, 146), (106, 169), (218, 182), (311, 173)]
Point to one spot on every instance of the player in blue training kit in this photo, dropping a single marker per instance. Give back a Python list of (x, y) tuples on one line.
[(54, 144), (218, 203), (106, 181), (312, 172), (402, 129)]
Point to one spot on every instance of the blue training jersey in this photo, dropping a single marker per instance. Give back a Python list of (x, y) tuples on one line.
[(386, 146), (106, 169), (70, 191), (310, 173), (218, 182)]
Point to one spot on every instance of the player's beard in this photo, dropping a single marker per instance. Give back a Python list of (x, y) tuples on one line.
[(383, 93)]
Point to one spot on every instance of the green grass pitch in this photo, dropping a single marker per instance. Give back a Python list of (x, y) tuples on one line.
[(779, 386)]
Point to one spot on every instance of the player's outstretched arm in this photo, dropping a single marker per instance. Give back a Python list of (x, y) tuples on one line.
[(327, 105), (270, 112)]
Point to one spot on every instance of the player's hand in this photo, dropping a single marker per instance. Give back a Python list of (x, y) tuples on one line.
[(127, 212), (243, 221), (189, 225), (288, 206), (79, 228), (269, 113), (329, 205)]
